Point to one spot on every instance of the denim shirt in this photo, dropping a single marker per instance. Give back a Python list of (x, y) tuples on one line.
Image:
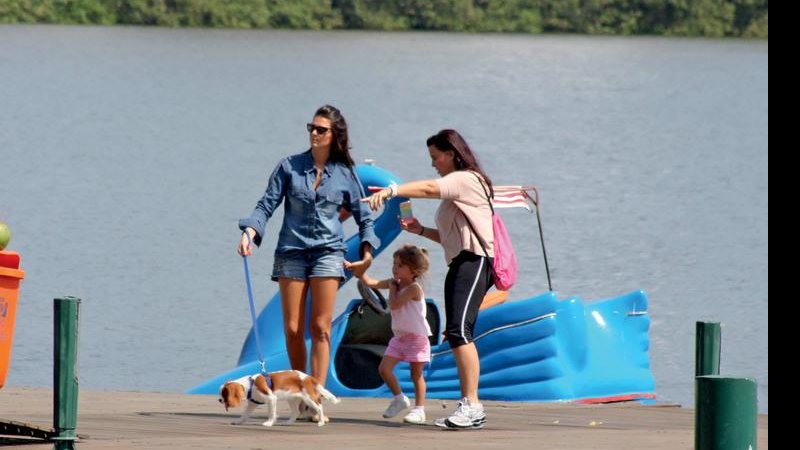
[(311, 218)]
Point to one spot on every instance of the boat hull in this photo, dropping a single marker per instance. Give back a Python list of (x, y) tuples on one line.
[(536, 349)]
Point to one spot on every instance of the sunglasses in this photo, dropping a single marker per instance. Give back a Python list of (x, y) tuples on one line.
[(316, 128)]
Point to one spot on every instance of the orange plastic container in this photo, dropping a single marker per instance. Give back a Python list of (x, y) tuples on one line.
[(10, 276)]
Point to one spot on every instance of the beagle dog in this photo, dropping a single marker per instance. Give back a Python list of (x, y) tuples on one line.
[(292, 385)]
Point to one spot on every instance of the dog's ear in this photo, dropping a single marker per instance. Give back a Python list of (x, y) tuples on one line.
[(224, 395), (231, 394)]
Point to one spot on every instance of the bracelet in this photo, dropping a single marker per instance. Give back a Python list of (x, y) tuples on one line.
[(392, 190), (422, 232)]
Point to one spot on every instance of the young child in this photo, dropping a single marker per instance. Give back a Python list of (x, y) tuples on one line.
[(410, 327)]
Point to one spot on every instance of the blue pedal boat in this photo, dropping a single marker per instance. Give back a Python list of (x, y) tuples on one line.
[(540, 348)]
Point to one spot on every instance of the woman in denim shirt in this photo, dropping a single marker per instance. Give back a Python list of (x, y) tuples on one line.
[(316, 186)]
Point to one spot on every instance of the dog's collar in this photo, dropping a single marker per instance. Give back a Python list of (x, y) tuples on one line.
[(252, 384)]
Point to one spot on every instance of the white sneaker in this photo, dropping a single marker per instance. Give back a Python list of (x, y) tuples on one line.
[(465, 416), (415, 416), (397, 405)]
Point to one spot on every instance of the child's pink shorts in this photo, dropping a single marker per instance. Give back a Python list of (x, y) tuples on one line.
[(410, 348)]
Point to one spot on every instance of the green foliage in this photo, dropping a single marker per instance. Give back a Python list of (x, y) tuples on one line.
[(510, 16), (372, 15), (19, 11), (57, 11), (194, 13), (442, 15), (752, 18), (713, 18), (560, 16), (304, 14), (142, 12), (84, 12), (229, 14), (758, 28)]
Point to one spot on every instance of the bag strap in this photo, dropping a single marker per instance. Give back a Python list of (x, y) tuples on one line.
[(488, 199), (485, 253), (480, 240), (485, 192)]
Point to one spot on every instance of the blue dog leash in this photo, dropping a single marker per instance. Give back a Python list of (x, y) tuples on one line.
[(253, 309)]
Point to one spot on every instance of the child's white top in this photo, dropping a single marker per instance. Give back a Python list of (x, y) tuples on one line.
[(410, 318)]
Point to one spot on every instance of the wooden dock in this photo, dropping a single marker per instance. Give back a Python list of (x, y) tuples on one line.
[(146, 420)]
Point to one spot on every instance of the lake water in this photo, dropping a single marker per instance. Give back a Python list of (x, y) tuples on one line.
[(128, 154)]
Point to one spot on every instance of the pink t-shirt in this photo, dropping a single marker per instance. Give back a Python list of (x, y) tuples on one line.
[(461, 194), (410, 318)]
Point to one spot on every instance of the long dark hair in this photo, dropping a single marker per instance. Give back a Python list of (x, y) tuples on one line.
[(340, 147), (464, 158)]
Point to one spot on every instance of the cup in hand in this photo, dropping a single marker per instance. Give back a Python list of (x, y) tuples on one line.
[(405, 213)]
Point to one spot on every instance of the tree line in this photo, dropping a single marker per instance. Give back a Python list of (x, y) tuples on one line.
[(709, 18)]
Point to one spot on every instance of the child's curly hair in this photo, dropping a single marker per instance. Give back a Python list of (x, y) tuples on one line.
[(416, 258)]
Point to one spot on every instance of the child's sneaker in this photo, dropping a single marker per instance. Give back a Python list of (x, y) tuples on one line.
[(398, 404), (415, 416), (465, 416)]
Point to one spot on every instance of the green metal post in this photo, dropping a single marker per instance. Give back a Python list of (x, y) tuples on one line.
[(707, 347), (725, 413), (65, 373)]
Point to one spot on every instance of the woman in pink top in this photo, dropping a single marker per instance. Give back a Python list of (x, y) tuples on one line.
[(410, 327), (469, 276)]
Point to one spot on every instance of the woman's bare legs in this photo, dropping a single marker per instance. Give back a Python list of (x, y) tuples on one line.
[(293, 303), (469, 370), (323, 301)]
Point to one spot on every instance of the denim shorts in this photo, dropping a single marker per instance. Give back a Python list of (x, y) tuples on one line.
[(305, 264)]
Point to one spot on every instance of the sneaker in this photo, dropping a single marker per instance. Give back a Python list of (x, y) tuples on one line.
[(397, 405), (465, 416), (415, 416)]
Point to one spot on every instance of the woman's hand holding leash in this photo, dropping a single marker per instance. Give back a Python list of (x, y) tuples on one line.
[(246, 243)]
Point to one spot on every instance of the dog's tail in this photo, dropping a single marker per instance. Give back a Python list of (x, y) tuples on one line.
[(327, 394)]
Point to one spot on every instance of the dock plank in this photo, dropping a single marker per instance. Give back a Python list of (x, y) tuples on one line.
[(147, 420)]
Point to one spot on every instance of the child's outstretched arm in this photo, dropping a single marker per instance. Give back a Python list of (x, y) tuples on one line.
[(361, 273), (373, 283)]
